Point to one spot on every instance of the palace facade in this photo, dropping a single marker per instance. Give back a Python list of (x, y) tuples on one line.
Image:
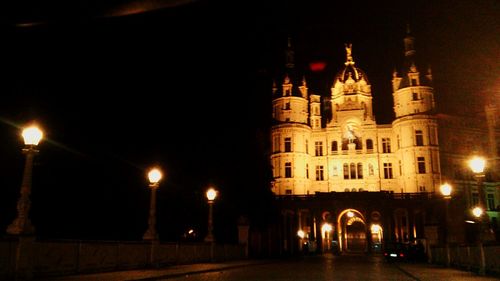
[(329, 156)]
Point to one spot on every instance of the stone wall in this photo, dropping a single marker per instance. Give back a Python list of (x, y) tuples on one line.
[(27, 258), (468, 257)]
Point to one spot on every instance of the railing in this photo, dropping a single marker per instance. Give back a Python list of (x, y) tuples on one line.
[(362, 194)]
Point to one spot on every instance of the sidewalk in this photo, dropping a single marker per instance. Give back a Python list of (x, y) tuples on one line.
[(431, 272), (153, 274)]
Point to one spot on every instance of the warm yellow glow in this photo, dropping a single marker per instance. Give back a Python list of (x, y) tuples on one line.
[(354, 219), (445, 189), (376, 228), (477, 212), (301, 234), (154, 175), (350, 214), (32, 135), (477, 164), (326, 228), (211, 194), (191, 231)]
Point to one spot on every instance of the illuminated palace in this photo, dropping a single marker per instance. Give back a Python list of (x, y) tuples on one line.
[(338, 167)]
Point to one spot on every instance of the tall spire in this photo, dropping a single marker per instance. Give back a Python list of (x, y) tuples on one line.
[(409, 43), (410, 52), (290, 55)]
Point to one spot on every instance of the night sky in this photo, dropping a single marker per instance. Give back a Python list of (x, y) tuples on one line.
[(186, 86)]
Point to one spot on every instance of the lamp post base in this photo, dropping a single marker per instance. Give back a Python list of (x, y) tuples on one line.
[(150, 235), (209, 238), (21, 227)]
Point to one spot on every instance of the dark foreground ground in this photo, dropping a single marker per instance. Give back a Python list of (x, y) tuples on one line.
[(326, 267)]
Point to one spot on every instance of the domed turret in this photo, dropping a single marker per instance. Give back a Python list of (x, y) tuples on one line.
[(351, 90)]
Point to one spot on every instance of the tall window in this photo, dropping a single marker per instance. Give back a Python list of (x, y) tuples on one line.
[(399, 142), (287, 105), (414, 96), (318, 148), (419, 138), (319, 173), (307, 146), (346, 171), (490, 198), (288, 170), (288, 144), (475, 198), (307, 171), (360, 171), (388, 171), (369, 144), (400, 168), (386, 145), (335, 146), (353, 170), (276, 143), (421, 165), (316, 123)]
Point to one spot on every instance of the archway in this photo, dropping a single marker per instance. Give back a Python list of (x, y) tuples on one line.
[(351, 231)]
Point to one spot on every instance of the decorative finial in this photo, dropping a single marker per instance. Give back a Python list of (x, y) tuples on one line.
[(348, 50), (287, 79), (394, 73)]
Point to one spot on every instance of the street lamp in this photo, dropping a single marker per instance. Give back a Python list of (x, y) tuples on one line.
[(154, 177), (211, 194), (478, 213), (446, 192), (22, 224), (477, 165)]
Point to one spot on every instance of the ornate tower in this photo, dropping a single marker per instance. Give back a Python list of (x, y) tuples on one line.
[(415, 126), (291, 131)]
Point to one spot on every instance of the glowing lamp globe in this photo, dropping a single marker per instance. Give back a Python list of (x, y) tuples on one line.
[(477, 164), (211, 194), (477, 212), (375, 228), (445, 189), (154, 176), (32, 135)]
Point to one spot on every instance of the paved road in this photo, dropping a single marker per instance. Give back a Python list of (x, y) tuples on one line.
[(328, 267)]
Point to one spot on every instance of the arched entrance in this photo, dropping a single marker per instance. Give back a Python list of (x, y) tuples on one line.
[(351, 231)]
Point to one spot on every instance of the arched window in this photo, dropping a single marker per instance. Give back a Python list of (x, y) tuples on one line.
[(360, 171), (353, 171), (369, 144), (353, 189), (346, 171), (347, 190)]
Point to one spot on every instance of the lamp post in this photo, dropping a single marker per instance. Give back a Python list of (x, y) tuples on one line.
[(446, 192), (211, 194), (477, 165), (154, 177), (478, 213), (22, 224)]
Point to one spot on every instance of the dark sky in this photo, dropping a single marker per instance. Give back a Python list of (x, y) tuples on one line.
[(187, 86)]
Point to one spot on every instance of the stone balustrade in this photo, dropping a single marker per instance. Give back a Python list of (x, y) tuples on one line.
[(25, 258)]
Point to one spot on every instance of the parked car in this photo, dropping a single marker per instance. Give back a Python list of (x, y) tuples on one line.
[(406, 252), (396, 252)]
